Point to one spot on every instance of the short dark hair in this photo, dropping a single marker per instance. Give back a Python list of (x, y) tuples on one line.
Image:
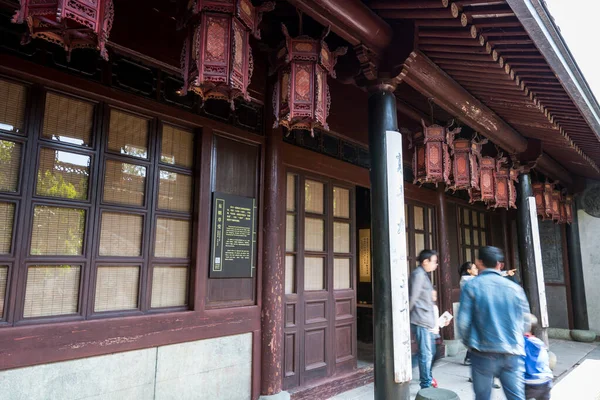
[(490, 256), (464, 269), (426, 255)]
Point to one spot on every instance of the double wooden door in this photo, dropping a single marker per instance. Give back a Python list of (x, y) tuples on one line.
[(320, 300)]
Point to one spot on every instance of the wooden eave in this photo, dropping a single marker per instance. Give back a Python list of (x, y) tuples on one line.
[(483, 46)]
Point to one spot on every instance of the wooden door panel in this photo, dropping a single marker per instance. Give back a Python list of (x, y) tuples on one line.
[(344, 344), (315, 312), (315, 349), (290, 315), (344, 308), (290, 351)]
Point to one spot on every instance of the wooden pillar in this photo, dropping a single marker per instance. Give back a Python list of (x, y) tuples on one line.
[(578, 300), (273, 268), (527, 255), (382, 120), (445, 286)]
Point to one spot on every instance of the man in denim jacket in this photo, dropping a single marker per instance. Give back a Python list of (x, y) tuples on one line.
[(422, 317), (492, 320)]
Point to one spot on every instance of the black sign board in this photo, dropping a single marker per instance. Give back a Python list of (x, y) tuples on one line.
[(233, 241)]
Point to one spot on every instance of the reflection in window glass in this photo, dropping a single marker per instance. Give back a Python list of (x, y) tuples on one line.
[(124, 183), (57, 231), (177, 146), (12, 106), (68, 120), (169, 286), (121, 234), (10, 165), (117, 288), (128, 134), (175, 191), (63, 174), (7, 215)]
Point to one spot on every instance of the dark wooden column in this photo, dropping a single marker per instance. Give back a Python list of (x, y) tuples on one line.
[(273, 269), (526, 251), (382, 118), (578, 300), (445, 286)]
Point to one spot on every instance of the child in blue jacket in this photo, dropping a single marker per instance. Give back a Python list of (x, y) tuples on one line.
[(538, 376)]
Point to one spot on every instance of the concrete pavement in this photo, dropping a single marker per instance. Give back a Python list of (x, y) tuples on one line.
[(452, 374)]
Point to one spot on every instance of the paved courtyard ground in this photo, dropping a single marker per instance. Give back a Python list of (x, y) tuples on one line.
[(577, 375)]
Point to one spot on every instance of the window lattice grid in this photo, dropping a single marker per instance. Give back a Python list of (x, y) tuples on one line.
[(57, 231), (52, 290), (68, 120), (10, 165), (124, 183), (128, 134), (175, 191), (7, 216), (177, 146), (117, 288), (13, 98), (170, 286), (121, 234), (63, 174), (172, 238)]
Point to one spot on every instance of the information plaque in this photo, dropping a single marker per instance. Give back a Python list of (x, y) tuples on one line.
[(233, 239)]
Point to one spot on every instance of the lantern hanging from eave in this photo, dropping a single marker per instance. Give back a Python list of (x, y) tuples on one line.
[(569, 209), (501, 179), (431, 158), (548, 189), (71, 24), (216, 60), (301, 97), (512, 188), (460, 151), (538, 193), (556, 205), (487, 166)]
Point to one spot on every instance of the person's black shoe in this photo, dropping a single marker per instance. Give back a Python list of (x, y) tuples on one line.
[(471, 380), (496, 386), (467, 361)]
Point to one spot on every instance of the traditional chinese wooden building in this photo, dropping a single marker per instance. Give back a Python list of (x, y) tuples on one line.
[(195, 197)]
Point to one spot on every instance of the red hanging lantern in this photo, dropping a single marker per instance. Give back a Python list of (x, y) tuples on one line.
[(538, 192), (501, 182), (547, 200), (487, 166), (556, 205), (512, 189), (216, 59), (431, 158), (301, 97), (461, 164), (569, 209), (71, 24)]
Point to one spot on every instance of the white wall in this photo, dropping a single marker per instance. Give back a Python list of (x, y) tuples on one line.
[(589, 235), (218, 368)]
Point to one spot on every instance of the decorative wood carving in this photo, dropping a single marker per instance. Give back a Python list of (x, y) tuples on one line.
[(71, 24), (538, 192), (569, 209), (556, 205), (547, 200), (501, 183), (301, 97), (486, 179), (512, 188), (216, 60), (431, 158)]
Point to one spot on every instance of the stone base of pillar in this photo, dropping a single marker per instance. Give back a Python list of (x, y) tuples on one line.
[(283, 395)]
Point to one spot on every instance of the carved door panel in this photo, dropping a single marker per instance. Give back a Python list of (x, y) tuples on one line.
[(320, 321)]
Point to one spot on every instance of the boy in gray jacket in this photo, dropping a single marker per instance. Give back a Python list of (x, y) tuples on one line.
[(422, 316)]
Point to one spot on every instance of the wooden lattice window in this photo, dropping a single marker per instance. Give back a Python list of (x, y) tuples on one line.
[(474, 232), (106, 215)]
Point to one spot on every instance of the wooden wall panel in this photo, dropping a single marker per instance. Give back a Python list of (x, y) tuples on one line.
[(235, 170)]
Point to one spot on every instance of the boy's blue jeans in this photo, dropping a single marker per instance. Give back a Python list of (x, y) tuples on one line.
[(510, 369), (425, 356)]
